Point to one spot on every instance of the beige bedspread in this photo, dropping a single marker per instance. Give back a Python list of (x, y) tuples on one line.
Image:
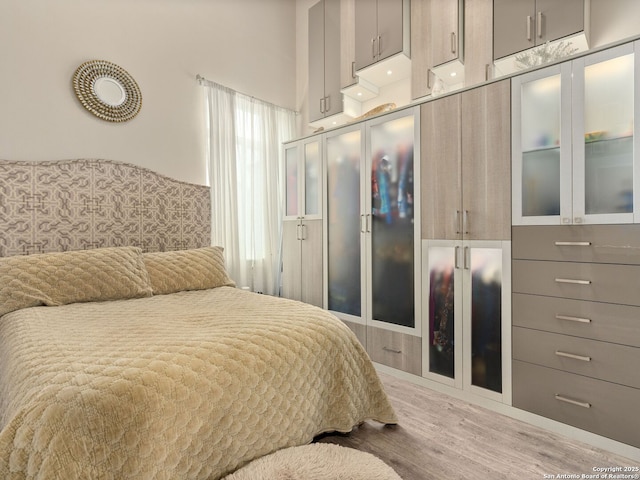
[(184, 386)]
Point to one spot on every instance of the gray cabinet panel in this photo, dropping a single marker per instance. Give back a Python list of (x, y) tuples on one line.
[(332, 56), (592, 358), (511, 21), (397, 350), (316, 61), (390, 34), (599, 321), (600, 407), (578, 243), (598, 282), (558, 19), (366, 32)]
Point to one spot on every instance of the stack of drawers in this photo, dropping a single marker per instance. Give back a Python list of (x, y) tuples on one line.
[(576, 326)]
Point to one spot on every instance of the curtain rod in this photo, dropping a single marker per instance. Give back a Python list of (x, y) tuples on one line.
[(203, 81)]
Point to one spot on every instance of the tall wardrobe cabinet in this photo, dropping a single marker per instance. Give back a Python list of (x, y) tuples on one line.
[(372, 232), (302, 226), (466, 225)]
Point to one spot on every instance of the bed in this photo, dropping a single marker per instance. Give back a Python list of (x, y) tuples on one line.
[(124, 362)]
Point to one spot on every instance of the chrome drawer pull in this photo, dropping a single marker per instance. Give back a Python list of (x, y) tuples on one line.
[(392, 350), (573, 402), (573, 356), (573, 319), (573, 281), (573, 244)]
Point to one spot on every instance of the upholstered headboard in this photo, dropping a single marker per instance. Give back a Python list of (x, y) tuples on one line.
[(78, 204)]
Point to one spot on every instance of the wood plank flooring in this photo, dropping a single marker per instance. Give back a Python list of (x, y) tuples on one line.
[(440, 437)]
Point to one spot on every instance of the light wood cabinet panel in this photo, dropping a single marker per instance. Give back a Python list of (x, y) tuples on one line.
[(592, 358), (397, 350), (486, 162), (434, 39), (359, 329), (291, 254), (466, 165), (347, 43), (440, 126), (311, 262), (600, 407), (478, 41)]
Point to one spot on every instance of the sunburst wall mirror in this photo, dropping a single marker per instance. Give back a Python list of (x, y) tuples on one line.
[(107, 91)]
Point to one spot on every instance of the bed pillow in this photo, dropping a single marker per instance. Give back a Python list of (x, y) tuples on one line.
[(194, 269), (61, 278)]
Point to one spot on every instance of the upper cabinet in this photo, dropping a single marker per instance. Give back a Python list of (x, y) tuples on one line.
[(575, 141), (325, 98), (522, 24), (465, 172), (437, 44), (382, 40)]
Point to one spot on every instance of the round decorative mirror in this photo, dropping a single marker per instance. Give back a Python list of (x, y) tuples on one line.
[(107, 91)]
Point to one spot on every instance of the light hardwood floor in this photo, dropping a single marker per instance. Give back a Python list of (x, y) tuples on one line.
[(440, 437)]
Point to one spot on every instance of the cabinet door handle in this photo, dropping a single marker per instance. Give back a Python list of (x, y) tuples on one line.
[(298, 234), (303, 232), (467, 258), (539, 24), (573, 319), (379, 45), (327, 104), (572, 244), (322, 105), (362, 225), (373, 47), (486, 72), (368, 223), (390, 349), (453, 42), (465, 221), (456, 254), (529, 27), (429, 79), (573, 281), (353, 69), (458, 223), (573, 356), (562, 398)]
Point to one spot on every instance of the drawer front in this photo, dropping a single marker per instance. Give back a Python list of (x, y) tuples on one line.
[(600, 407), (601, 360), (359, 329), (598, 321), (581, 281), (394, 349), (578, 243)]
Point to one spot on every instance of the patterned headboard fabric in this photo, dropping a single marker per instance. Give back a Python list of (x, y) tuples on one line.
[(53, 206)]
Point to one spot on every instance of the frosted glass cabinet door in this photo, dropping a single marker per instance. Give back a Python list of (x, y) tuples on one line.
[(344, 223), (442, 277), (312, 178), (604, 137), (541, 147), (291, 181), (485, 265), (392, 216)]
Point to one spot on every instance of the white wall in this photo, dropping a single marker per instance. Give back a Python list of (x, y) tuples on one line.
[(248, 45)]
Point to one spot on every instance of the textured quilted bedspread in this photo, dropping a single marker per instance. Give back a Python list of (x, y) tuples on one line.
[(184, 386)]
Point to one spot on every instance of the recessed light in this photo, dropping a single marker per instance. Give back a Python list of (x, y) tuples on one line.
[(389, 72), (453, 74), (359, 94)]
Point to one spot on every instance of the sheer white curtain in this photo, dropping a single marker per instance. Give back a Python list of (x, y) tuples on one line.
[(245, 172)]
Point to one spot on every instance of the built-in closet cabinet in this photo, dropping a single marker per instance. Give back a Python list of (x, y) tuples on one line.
[(372, 232), (575, 141), (437, 29), (381, 30), (522, 24), (465, 171), (302, 265), (325, 98)]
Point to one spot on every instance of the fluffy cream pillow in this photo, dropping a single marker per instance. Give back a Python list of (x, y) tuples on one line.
[(68, 277), (194, 269)]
